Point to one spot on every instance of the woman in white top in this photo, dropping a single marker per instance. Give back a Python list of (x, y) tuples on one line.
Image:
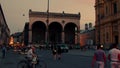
[(114, 56), (30, 53)]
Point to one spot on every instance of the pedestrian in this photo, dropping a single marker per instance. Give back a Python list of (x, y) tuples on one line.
[(54, 52), (114, 56), (24, 49), (3, 50), (59, 52), (99, 58), (30, 53), (33, 48)]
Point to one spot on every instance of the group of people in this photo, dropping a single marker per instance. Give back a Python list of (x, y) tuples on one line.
[(100, 57)]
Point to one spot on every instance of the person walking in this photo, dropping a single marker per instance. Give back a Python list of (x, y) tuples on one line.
[(54, 52), (99, 58), (4, 50), (59, 52), (114, 56)]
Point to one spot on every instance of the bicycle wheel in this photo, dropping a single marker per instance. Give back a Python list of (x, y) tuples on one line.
[(41, 64), (22, 64)]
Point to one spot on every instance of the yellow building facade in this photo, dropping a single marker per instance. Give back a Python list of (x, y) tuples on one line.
[(107, 22)]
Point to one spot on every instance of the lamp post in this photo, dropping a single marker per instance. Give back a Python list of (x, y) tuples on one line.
[(47, 23)]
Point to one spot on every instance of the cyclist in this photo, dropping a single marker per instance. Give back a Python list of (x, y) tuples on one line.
[(32, 60), (30, 53), (31, 56)]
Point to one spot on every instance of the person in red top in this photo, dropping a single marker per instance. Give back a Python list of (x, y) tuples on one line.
[(33, 48), (99, 57)]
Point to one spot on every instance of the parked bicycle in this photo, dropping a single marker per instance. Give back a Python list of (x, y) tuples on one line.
[(34, 63)]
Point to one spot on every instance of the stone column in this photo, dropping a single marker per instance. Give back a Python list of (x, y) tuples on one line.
[(30, 36), (63, 37), (46, 36), (78, 37)]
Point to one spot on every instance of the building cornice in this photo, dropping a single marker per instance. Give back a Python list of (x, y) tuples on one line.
[(54, 15), (111, 18)]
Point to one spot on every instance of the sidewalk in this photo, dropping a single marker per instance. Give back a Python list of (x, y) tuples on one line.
[(11, 59), (87, 53)]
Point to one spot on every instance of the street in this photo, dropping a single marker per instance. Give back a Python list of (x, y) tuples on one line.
[(68, 60)]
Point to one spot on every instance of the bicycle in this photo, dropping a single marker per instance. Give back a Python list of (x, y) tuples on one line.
[(30, 64)]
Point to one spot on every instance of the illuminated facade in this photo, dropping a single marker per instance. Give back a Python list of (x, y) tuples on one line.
[(16, 38)]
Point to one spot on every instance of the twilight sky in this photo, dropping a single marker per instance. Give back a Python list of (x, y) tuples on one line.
[(14, 10)]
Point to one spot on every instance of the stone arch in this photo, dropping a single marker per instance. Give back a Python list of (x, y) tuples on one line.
[(69, 31), (56, 22), (55, 30), (38, 32)]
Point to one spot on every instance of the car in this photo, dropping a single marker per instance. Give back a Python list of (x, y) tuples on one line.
[(64, 48)]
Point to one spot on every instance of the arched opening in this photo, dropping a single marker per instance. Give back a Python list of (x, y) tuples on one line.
[(38, 32), (70, 32), (55, 30)]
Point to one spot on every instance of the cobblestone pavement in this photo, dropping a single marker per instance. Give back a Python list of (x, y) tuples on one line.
[(72, 59), (87, 53)]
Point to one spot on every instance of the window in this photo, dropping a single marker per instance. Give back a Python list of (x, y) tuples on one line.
[(106, 10), (107, 36), (114, 8), (98, 17)]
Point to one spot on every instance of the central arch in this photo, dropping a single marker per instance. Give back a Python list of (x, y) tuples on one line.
[(38, 32), (69, 30), (55, 30)]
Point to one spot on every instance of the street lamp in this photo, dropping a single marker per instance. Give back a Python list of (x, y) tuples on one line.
[(47, 23)]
